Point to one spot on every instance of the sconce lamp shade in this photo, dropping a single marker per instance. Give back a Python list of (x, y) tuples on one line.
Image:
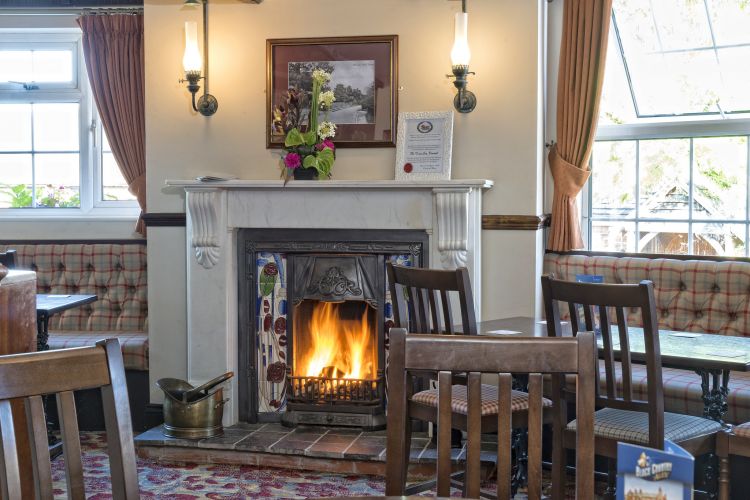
[(191, 61), (460, 54)]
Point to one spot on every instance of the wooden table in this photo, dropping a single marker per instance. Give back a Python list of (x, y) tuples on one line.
[(711, 356), (49, 304), (46, 306)]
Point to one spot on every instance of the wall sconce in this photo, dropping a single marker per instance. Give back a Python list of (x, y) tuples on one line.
[(191, 62), (465, 100)]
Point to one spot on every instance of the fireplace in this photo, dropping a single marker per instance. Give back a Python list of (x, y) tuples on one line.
[(231, 325), (314, 346)]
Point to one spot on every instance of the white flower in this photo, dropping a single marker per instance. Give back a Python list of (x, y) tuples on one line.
[(327, 130), (326, 99), (321, 76)]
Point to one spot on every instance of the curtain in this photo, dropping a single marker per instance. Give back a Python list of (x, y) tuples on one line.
[(583, 54), (113, 48)]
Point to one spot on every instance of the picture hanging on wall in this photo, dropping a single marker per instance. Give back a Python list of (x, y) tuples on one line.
[(360, 94), (424, 145)]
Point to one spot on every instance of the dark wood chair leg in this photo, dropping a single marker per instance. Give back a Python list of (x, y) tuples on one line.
[(723, 478), (611, 491)]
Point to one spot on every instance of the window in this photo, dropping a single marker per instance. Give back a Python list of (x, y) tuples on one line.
[(54, 158), (670, 165)]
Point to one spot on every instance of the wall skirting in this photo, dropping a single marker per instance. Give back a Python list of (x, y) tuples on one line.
[(515, 222)]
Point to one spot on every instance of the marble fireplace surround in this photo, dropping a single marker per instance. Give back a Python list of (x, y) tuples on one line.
[(449, 211)]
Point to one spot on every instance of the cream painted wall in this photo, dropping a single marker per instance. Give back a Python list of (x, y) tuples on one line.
[(501, 140)]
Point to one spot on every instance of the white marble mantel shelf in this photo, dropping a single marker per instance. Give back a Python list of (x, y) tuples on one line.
[(332, 184)]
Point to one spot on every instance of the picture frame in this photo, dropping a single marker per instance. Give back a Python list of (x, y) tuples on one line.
[(424, 145), (364, 77)]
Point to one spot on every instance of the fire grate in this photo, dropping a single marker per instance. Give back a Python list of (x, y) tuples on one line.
[(333, 390)]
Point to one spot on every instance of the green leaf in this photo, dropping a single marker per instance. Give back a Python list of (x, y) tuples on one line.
[(266, 284), (310, 161), (325, 161), (294, 138), (310, 137)]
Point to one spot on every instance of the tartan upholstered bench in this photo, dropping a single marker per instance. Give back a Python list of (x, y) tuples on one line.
[(702, 295), (116, 273)]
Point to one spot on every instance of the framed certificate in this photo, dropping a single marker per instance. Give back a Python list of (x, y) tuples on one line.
[(424, 145)]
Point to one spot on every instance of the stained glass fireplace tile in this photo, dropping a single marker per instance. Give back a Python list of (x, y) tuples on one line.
[(271, 314)]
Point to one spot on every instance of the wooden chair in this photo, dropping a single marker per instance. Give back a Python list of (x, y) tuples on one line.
[(411, 353), (429, 308), (29, 376), (734, 441), (8, 259), (622, 417)]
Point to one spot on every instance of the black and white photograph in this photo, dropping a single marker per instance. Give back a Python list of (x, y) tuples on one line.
[(352, 83)]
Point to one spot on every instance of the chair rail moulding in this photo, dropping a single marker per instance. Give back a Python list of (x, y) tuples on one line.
[(448, 211)]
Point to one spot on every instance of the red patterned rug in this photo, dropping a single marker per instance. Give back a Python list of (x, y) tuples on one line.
[(190, 481)]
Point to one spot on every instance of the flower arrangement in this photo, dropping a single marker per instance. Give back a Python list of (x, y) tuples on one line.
[(313, 148)]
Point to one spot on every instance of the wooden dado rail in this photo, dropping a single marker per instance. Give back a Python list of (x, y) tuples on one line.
[(489, 222)]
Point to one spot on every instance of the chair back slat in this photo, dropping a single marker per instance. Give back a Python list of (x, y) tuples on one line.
[(37, 426), (28, 376), (504, 434), (625, 363), (472, 475), (535, 437), (426, 313), (444, 433), (66, 411), (609, 354), (410, 354), (11, 485), (617, 296)]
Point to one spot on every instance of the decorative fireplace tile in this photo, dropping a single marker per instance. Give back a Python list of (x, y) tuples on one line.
[(271, 314)]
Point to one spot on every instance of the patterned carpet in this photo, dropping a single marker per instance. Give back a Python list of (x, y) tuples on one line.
[(190, 481)]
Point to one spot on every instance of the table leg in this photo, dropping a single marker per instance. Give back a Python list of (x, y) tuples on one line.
[(42, 339), (715, 388)]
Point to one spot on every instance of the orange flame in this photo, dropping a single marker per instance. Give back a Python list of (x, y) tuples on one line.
[(334, 346)]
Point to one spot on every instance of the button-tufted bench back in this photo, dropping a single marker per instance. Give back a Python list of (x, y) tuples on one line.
[(116, 273), (691, 295)]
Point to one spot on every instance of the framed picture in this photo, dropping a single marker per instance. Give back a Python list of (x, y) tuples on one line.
[(364, 80), (425, 144)]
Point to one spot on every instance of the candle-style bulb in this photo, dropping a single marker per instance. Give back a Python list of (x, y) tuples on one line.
[(461, 54), (191, 61)]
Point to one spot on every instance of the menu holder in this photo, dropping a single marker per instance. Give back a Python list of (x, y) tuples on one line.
[(646, 473)]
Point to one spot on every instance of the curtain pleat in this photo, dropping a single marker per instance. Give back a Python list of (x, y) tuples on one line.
[(583, 54), (114, 53)]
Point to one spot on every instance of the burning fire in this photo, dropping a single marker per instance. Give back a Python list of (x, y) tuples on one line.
[(333, 346)]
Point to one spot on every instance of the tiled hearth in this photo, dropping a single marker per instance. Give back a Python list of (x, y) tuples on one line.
[(325, 449)]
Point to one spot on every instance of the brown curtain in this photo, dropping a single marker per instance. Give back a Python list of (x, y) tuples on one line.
[(583, 53), (113, 48)]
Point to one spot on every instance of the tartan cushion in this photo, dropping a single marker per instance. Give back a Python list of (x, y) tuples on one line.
[(691, 295), (682, 391), (742, 430), (459, 401), (632, 426), (134, 345), (116, 273)]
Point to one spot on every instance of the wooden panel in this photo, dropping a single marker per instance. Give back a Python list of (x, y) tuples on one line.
[(18, 335), (515, 222), (172, 219)]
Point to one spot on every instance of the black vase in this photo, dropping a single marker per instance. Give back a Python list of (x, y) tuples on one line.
[(305, 174)]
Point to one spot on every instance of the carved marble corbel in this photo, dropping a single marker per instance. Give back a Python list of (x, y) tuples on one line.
[(203, 211), (452, 207)]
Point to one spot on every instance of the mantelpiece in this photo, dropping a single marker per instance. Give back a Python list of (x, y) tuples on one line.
[(448, 211)]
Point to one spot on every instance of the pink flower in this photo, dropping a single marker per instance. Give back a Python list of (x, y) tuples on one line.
[(328, 143), (292, 160)]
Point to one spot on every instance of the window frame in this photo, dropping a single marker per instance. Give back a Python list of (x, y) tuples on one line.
[(92, 203)]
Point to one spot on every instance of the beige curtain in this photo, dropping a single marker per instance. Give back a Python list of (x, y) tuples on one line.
[(583, 53), (113, 48)]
